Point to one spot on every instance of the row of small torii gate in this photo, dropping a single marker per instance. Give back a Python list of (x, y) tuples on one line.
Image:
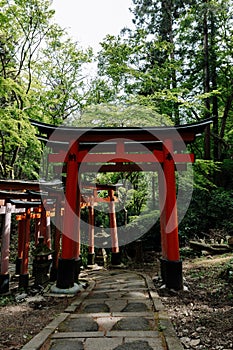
[(74, 151)]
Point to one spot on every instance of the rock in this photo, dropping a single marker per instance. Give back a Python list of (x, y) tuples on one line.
[(20, 297), (195, 342), (185, 340)]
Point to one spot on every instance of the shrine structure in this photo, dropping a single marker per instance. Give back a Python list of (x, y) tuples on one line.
[(81, 150)]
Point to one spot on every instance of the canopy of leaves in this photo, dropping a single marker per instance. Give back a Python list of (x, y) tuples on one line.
[(109, 115)]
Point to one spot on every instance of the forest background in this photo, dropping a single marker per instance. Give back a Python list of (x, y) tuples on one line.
[(174, 66)]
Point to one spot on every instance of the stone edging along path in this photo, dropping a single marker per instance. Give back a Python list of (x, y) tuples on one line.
[(119, 310)]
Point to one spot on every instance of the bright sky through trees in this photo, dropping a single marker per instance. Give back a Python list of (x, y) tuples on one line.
[(89, 21)]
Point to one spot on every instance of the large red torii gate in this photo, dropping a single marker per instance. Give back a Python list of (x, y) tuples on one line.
[(159, 149)]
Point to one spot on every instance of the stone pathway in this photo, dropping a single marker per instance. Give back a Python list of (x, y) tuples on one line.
[(120, 310)]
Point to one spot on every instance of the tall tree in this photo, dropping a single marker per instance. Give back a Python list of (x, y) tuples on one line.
[(177, 59), (24, 25), (63, 90), (41, 77)]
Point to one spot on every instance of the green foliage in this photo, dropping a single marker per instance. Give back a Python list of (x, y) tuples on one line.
[(146, 227), (62, 82), (204, 174), (208, 210), (172, 60), (120, 115), (31, 85), (6, 300)]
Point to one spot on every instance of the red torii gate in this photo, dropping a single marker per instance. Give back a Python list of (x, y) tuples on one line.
[(121, 149)]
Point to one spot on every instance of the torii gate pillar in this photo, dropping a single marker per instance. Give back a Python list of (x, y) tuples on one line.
[(67, 264), (171, 265)]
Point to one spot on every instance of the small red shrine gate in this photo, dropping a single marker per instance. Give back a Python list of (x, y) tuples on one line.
[(160, 149)]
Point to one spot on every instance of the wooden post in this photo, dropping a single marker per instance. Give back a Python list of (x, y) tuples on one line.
[(48, 230), (91, 238), (77, 238), (43, 224), (173, 264), (5, 251), (21, 230), (65, 277), (162, 198), (37, 225), (57, 238), (24, 275), (113, 229)]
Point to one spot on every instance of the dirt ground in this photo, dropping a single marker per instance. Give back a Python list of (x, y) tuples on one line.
[(202, 315), (20, 321)]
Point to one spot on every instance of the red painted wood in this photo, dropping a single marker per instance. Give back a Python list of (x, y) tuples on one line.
[(85, 157), (26, 243), (21, 230), (57, 236), (113, 223), (70, 208), (5, 241), (77, 234), (171, 226), (91, 229), (162, 203)]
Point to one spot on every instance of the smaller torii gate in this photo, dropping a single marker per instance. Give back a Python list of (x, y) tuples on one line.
[(90, 202), (80, 150)]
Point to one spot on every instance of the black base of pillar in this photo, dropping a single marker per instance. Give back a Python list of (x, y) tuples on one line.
[(77, 268), (65, 273), (18, 263), (4, 283), (163, 269), (171, 273), (116, 259), (53, 274), (24, 281), (91, 259)]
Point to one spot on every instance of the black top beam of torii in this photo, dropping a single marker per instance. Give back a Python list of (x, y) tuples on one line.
[(187, 132), (134, 145)]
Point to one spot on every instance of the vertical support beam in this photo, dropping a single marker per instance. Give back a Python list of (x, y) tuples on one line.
[(21, 230), (173, 264), (162, 202), (91, 238), (37, 225), (113, 230), (24, 275), (43, 224), (48, 230), (57, 238), (65, 276), (77, 240), (5, 251)]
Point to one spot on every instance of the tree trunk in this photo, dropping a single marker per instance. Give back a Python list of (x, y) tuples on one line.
[(206, 72), (216, 150)]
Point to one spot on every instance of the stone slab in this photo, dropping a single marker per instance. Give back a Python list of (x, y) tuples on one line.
[(134, 314), (132, 324), (38, 341), (81, 324), (102, 344), (67, 344), (135, 345), (70, 335), (133, 334), (155, 343)]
